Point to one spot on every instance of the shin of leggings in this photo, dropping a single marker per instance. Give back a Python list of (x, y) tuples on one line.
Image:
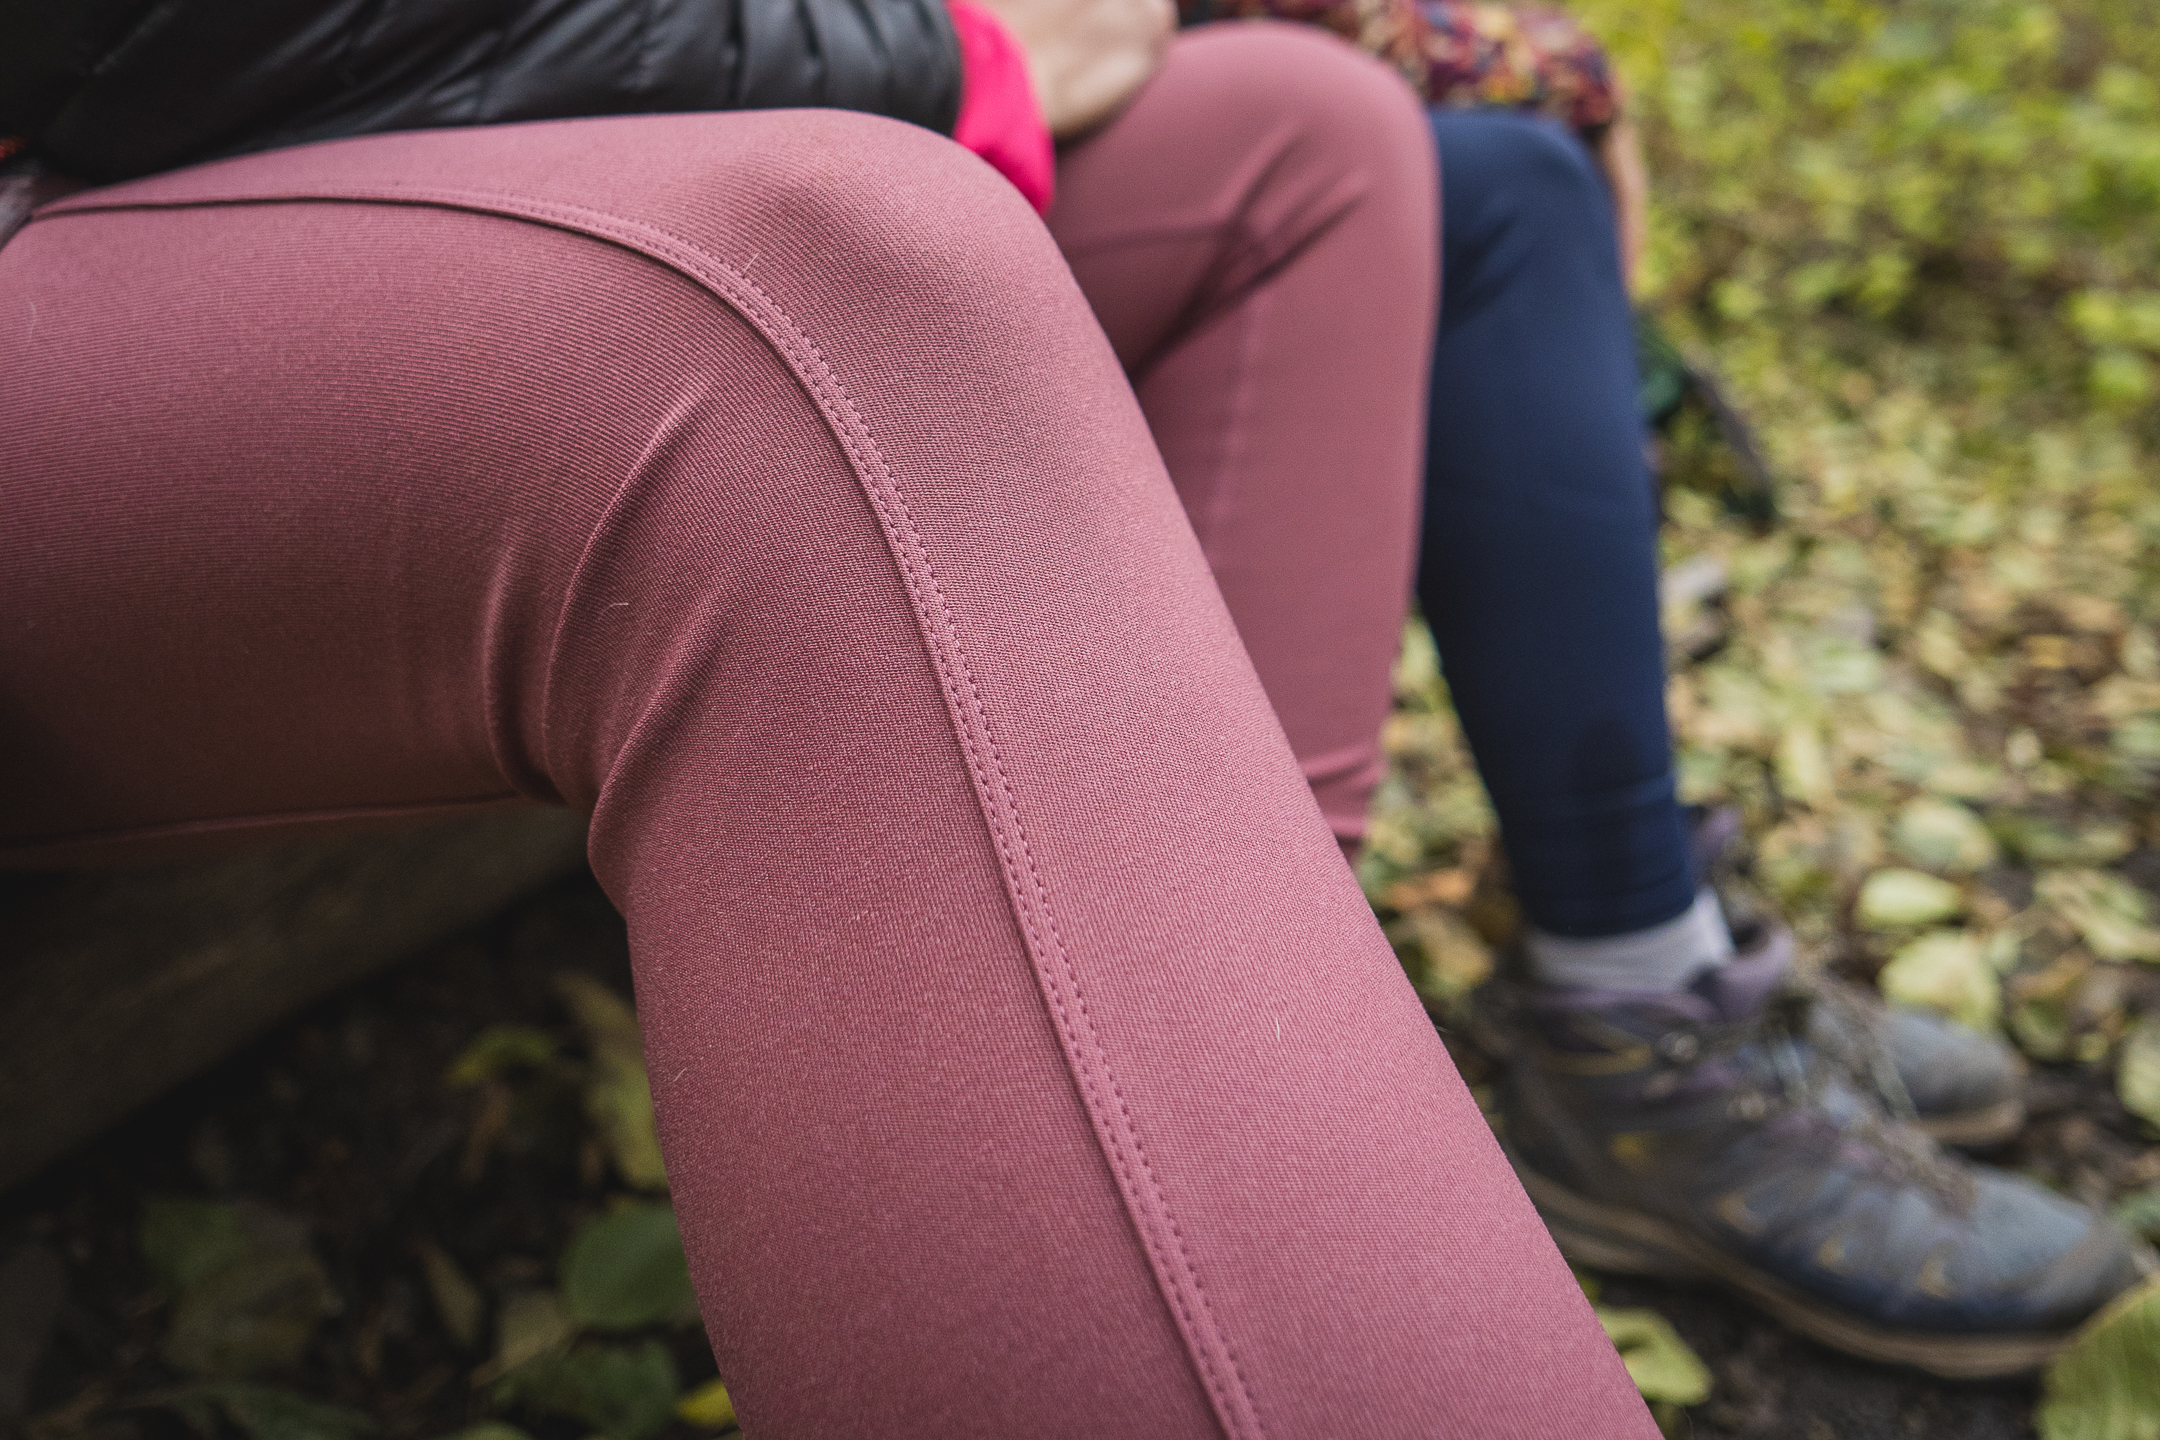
[(1027, 1062), (1256, 233), (1539, 566)]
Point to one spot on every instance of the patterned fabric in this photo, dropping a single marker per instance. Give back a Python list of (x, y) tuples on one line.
[(1462, 53)]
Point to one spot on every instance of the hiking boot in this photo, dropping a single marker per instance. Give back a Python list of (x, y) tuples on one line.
[(1702, 1133), (1955, 1085), (1959, 1086)]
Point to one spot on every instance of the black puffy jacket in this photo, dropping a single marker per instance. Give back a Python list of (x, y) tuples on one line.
[(110, 89)]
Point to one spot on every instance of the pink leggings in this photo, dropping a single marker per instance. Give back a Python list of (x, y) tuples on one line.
[(1028, 1063)]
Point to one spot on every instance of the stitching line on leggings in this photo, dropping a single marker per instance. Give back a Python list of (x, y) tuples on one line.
[(1234, 1407), (912, 554)]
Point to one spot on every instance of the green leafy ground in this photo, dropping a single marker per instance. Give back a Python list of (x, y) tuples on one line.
[(433, 1207), (1920, 242)]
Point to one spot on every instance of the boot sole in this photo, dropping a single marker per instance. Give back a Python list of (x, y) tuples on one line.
[(1606, 1237), (1975, 1129)]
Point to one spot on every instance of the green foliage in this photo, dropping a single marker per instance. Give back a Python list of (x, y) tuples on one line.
[(489, 1430), (708, 1407), (1896, 899), (625, 1392), (1944, 837), (529, 1325), (1660, 1363), (618, 1097), (2106, 1385), (263, 1412), (184, 1241), (1919, 239), (501, 1052), (2110, 915), (1945, 971), (1964, 173), (458, 1302), (247, 1289), (625, 1271), (2137, 1075), (2140, 1214)]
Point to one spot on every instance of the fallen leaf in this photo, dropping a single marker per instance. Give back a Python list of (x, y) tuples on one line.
[(1450, 888), (1803, 765), (2112, 915), (264, 1412), (2137, 1073), (1946, 971), (1660, 1363), (2023, 749), (609, 1022), (458, 1302), (491, 1119), (184, 1240), (1948, 839), (529, 1324), (1938, 646), (2042, 843), (626, 1270), (1417, 663), (248, 1291), (2040, 1004), (501, 1051), (1899, 899), (708, 1407), (2140, 1214), (1839, 665), (254, 1315), (2106, 1384), (2092, 613), (618, 1096), (625, 1392)]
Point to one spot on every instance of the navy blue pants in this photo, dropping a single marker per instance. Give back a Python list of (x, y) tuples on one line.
[(1538, 567)]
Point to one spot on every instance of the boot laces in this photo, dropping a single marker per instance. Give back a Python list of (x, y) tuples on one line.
[(1881, 1126)]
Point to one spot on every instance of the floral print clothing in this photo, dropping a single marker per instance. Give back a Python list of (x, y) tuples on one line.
[(1462, 53)]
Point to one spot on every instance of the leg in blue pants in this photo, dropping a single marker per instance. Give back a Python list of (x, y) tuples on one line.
[(1538, 569), (1539, 576)]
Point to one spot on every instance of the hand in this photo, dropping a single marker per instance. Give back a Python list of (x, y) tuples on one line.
[(1086, 58), (1619, 155)]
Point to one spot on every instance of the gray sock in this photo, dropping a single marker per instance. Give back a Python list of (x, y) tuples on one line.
[(1663, 957)]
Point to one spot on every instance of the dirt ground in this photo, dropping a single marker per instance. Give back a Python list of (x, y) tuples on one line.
[(343, 1118)]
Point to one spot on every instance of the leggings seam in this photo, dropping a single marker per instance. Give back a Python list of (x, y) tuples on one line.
[(1117, 1131)]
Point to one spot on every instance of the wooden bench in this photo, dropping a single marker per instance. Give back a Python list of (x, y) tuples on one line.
[(114, 986)]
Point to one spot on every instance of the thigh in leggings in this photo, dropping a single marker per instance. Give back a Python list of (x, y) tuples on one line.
[(1256, 234), (1026, 1060)]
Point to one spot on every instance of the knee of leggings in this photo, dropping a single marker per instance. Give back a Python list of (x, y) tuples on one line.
[(901, 248), (846, 222), (880, 208), (1341, 103), (924, 348)]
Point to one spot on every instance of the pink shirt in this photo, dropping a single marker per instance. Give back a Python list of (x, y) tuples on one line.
[(999, 119)]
